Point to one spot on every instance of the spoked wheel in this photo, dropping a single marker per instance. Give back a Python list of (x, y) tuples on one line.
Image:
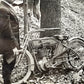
[(23, 71), (76, 54)]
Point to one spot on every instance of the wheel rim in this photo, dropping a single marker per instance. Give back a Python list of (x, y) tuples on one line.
[(76, 55), (29, 69)]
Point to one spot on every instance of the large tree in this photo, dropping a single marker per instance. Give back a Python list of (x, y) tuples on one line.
[(50, 13)]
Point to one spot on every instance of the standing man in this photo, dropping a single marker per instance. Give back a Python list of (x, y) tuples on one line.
[(34, 12), (8, 44), (34, 16)]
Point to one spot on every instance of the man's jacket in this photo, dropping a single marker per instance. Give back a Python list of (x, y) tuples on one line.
[(9, 30)]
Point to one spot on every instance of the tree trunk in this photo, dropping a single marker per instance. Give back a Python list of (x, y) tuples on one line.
[(50, 15)]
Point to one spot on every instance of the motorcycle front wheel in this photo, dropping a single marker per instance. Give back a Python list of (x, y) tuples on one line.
[(22, 72)]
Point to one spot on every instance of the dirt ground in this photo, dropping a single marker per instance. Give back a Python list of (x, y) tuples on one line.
[(72, 24)]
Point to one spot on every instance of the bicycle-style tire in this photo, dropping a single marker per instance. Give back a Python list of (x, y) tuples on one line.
[(30, 68), (76, 53)]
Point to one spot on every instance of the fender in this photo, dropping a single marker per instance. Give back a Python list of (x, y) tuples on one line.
[(73, 38)]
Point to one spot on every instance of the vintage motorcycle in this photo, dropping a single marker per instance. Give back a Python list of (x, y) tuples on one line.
[(41, 54)]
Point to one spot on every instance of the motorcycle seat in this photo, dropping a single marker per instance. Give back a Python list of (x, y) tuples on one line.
[(61, 37)]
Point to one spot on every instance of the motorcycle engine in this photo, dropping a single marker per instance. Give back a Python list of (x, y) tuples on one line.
[(42, 49)]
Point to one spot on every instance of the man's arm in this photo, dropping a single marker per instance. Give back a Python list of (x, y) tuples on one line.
[(8, 34)]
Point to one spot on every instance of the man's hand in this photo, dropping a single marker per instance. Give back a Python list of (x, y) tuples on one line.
[(16, 51)]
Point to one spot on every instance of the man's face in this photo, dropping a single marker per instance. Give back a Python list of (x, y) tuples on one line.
[(10, 1)]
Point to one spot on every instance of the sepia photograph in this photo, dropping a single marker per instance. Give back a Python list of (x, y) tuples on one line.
[(41, 42)]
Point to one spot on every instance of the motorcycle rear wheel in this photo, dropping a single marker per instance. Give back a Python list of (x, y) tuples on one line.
[(76, 54)]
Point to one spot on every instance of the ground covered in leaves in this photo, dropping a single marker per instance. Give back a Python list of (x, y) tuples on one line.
[(72, 17), (72, 24)]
